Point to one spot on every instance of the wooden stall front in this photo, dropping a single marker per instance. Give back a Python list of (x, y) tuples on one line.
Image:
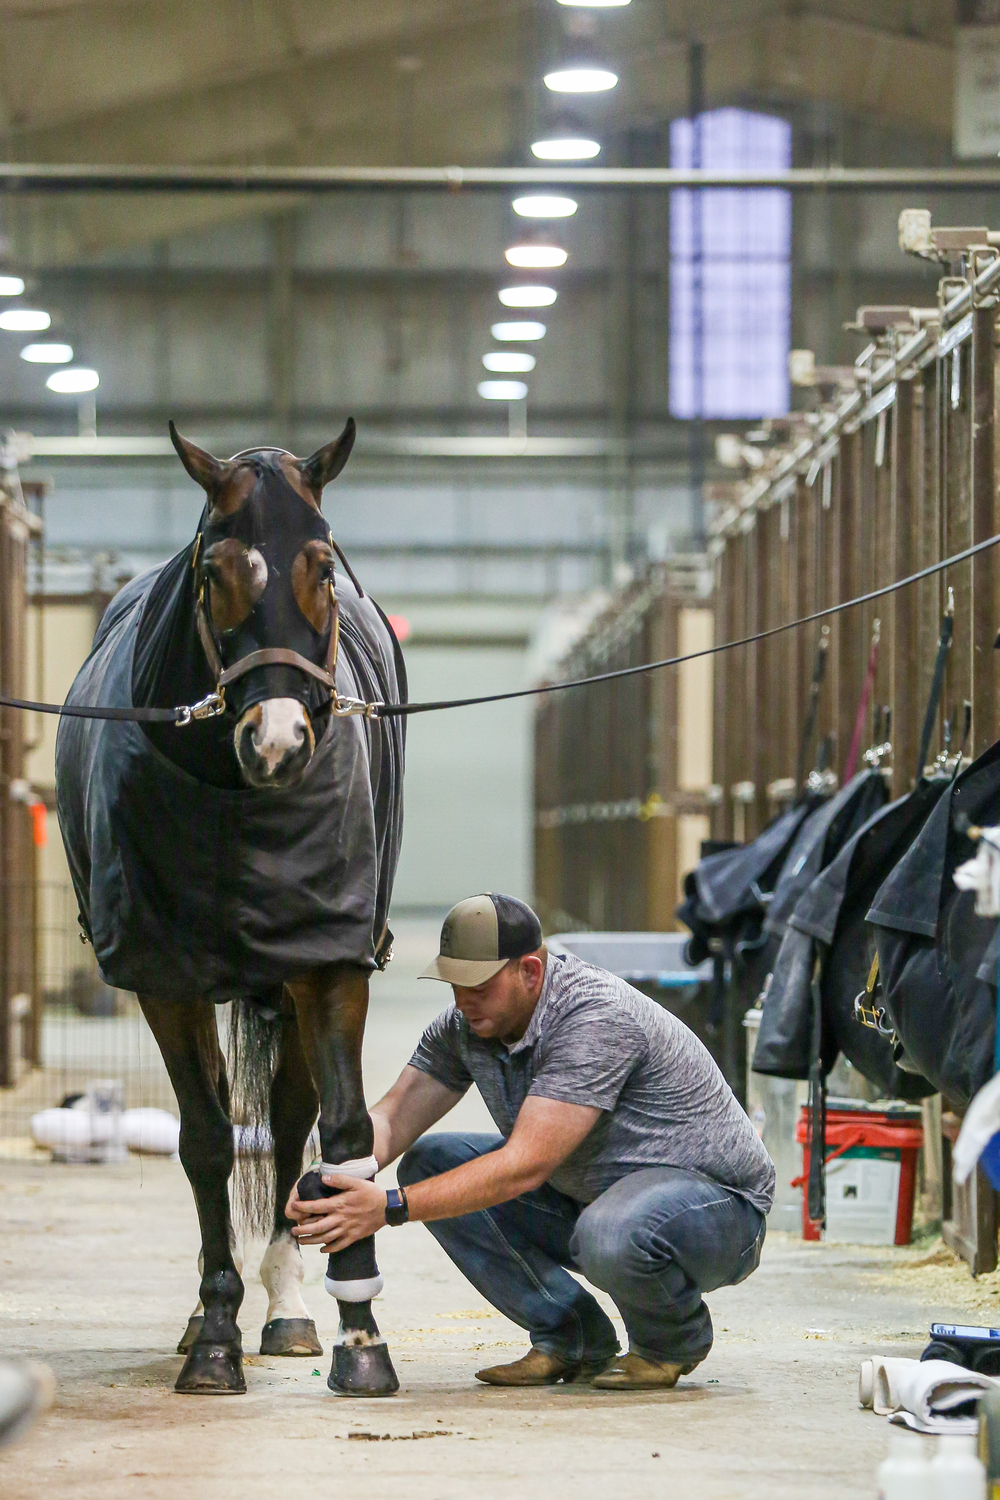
[(893, 468), (623, 770)]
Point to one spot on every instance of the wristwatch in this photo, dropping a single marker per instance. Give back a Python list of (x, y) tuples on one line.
[(397, 1210)]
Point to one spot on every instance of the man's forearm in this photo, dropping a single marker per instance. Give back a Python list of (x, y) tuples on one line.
[(383, 1149), (494, 1178)]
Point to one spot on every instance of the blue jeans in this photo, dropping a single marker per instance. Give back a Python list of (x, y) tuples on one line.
[(654, 1242)]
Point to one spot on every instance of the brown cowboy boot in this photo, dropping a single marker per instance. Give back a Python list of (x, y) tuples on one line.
[(538, 1368), (632, 1372)]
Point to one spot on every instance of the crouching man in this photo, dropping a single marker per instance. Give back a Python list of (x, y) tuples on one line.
[(622, 1153)]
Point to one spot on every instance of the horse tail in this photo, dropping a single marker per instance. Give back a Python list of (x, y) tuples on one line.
[(253, 1048)]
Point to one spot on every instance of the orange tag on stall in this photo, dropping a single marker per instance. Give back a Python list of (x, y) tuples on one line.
[(39, 824)]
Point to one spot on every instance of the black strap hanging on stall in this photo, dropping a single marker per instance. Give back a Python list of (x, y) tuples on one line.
[(937, 682), (816, 1199), (809, 725)]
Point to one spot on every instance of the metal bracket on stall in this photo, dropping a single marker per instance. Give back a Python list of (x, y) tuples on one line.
[(917, 236), (803, 371)]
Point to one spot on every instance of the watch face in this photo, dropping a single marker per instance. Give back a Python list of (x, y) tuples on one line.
[(395, 1207)]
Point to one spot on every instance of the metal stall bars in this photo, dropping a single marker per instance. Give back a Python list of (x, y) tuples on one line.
[(894, 468), (623, 769)]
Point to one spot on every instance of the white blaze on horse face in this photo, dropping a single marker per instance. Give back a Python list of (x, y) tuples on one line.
[(283, 728), (282, 1272)]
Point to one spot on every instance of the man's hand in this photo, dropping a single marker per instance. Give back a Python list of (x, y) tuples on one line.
[(357, 1210)]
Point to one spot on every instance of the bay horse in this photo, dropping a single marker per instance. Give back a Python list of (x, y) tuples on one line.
[(248, 856)]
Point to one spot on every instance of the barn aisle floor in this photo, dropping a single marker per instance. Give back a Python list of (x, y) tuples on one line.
[(99, 1277)]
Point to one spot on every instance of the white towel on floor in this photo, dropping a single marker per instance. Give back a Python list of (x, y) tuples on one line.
[(924, 1394), (878, 1384)]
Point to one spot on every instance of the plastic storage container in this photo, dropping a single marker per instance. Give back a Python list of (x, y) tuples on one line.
[(871, 1173)]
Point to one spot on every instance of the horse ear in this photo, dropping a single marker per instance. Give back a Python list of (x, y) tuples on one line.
[(326, 463), (205, 470)]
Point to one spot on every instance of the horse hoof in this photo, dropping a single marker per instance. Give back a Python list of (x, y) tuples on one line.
[(212, 1370), (195, 1324), (362, 1370), (290, 1336)]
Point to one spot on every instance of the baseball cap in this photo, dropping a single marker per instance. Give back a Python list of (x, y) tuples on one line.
[(478, 937)]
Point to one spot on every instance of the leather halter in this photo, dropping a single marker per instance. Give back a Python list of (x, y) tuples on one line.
[(270, 656)]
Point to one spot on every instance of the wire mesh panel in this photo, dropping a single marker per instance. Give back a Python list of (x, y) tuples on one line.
[(87, 1032)]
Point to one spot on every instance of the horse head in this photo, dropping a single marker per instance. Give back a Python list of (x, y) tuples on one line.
[(265, 608)]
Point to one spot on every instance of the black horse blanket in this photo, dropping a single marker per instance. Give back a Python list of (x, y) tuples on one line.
[(189, 890), (828, 922), (937, 959)]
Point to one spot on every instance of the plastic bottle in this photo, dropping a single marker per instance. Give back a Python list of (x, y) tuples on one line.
[(958, 1472), (906, 1474)]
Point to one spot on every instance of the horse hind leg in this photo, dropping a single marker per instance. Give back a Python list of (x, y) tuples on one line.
[(289, 1329)]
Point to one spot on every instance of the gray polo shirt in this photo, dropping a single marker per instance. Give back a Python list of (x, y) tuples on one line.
[(594, 1040)]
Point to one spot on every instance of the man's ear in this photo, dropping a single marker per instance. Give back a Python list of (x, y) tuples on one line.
[(532, 966), (326, 463), (205, 470)]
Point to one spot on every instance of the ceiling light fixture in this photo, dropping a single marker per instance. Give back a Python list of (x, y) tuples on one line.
[(519, 333), (24, 320), (502, 390), (580, 80), (565, 148), (535, 257), (11, 286), (509, 362), (595, 4), (73, 382), (527, 296), (544, 206), (47, 354)]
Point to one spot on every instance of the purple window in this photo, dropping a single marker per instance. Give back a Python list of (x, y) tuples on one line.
[(730, 270)]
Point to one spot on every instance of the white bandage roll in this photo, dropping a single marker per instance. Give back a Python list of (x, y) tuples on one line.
[(362, 1290), (365, 1166)]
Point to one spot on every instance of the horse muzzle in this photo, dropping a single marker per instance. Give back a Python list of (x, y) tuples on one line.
[(274, 743)]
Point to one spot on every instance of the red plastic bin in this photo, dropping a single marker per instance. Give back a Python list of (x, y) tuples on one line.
[(846, 1128)]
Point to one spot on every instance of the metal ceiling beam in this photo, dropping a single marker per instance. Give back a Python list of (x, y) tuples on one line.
[(71, 177), (28, 446)]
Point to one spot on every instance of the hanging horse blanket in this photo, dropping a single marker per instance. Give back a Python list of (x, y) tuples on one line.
[(937, 959), (726, 893), (828, 922), (819, 840), (189, 890)]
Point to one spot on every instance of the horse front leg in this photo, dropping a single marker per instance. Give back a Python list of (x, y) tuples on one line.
[(331, 1005), (189, 1041), (289, 1329)]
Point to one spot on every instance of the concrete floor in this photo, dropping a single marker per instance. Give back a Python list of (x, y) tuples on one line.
[(99, 1277)]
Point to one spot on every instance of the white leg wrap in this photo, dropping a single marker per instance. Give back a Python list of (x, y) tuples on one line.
[(365, 1166), (354, 1291), (367, 1287), (282, 1272)]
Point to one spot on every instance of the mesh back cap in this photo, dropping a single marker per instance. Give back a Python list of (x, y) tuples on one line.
[(480, 935)]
